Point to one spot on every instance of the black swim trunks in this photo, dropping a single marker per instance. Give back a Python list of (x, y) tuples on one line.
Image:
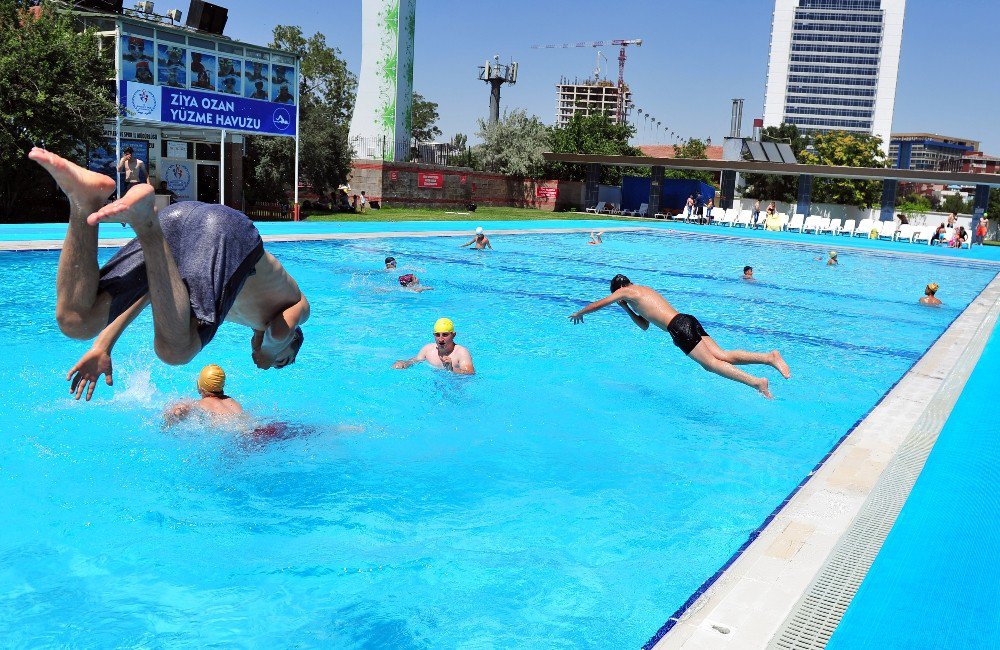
[(215, 248), (686, 332)]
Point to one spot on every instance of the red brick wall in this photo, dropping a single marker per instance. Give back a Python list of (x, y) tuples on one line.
[(397, 185)]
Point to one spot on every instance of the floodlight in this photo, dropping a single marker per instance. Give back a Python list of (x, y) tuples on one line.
[(145, 7), (175, 15)]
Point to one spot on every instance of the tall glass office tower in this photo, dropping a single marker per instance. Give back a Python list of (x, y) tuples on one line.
[(833, 65)]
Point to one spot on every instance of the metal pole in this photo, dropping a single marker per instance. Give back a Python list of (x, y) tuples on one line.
[(298, 127), (495, 100), (118, 109), (222, 169)]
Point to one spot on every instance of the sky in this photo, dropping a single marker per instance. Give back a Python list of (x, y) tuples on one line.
[(696, 56)]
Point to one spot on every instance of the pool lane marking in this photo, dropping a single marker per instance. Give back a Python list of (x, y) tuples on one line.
[(731, 598)]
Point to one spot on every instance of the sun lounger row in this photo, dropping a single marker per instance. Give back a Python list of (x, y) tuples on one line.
[(867, 228)]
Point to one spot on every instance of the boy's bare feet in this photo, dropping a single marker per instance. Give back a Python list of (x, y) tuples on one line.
[(135, 208), (85, 189), (763, 389), (779, 364)]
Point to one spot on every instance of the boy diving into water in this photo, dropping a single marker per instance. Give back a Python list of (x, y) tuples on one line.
[(645, 306), (197, 264)]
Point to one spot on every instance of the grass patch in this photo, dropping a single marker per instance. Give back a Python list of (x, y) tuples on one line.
[(483, 213)]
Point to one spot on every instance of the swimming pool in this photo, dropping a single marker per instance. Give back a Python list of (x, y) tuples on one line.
[(573, 493)]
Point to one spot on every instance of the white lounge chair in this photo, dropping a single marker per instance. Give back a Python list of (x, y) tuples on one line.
[(831, 226), (784, 221), (905, 232), (812, 223), (923, 233), (641, 212), (798, 220), (599, 208), (743, 219), (722, 217), (888, 230), (847, 228), (864, 228)]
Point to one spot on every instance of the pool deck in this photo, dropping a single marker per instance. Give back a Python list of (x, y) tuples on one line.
[(784, 588)]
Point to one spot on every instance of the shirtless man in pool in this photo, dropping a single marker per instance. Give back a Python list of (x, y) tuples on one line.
[(645, 306), (197, 264)]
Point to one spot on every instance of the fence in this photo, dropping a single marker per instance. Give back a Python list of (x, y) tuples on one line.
[(269, 211), (385, 148)]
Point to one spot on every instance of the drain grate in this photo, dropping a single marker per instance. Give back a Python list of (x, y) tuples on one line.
[(818, 612)]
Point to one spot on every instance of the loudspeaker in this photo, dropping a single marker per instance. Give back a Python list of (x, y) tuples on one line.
[(111, 6), (207, 17)]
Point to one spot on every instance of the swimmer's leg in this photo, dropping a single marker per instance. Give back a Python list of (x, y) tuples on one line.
[(80, 311), (176, 338), (703, 354), (743, 357)]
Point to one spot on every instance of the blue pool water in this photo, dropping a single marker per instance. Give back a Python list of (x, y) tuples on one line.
[(944, 544), (572, 494)]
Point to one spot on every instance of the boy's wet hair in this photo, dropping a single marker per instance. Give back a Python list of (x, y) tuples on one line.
[(618, 282), (747, 268)]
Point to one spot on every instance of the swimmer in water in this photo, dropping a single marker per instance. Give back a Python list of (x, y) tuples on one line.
[(748, 274), (443, 352), (480, 240), (644, 306), (595, 237), (390, 263), (213, 399), (412, 282), (833, 259), (929, 297)]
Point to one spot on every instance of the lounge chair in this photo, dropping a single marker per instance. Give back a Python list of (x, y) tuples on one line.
[(599, 208), (813, 223), (888, 230), (743, 218), (923, 233), (864, 228), (905, 232), (641, 212), (847, 228), (831, 226), (798, 220)]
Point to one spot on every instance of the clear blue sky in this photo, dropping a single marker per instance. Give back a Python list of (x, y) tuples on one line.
[(696, 56)]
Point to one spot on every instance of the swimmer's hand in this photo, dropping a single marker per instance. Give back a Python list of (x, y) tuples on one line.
[(576, 318), (446, 361), (84, 375), (401, 365)]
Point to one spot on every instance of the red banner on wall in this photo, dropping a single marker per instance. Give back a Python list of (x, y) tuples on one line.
[(394, 175), (547, 193), (425, 179)]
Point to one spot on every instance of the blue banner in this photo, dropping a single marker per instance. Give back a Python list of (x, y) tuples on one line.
[(210, 110)]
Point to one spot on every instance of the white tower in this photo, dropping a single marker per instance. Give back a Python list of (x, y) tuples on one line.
[(833, 65), (382, 120)]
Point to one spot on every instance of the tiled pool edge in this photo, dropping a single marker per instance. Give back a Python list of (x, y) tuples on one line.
[(56, 244), (746, 603)]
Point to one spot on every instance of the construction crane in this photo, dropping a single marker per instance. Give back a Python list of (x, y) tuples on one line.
[(620, 42)]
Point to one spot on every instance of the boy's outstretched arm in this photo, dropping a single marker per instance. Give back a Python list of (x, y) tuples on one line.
[(577, 317)]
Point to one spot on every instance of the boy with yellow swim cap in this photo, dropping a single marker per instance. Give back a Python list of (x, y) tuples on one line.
[(443, 352), (214, 401)]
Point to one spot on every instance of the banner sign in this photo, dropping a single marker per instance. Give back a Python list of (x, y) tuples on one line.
[(196, 108), (430, 180), (179, 176), (394, 175), (547, 193)]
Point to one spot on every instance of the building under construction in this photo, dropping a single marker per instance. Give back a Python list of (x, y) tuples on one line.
[(590, 97)]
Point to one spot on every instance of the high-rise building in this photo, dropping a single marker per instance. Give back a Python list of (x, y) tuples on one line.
[(833, 65), (587, 98)]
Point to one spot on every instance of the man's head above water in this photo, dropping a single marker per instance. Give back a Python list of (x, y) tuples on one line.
[(618, 282)]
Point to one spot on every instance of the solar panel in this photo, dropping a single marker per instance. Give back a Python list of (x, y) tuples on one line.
[(787, 155), (771, 150), (756, 151)]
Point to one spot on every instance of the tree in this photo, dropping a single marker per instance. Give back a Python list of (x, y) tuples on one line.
[(771, 187), (460, 155), (596, 133), (851, 150), (326, 100), (914, 204), (955, 203), (425, 117), (694, 149), (514, 145), (55, 91)]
